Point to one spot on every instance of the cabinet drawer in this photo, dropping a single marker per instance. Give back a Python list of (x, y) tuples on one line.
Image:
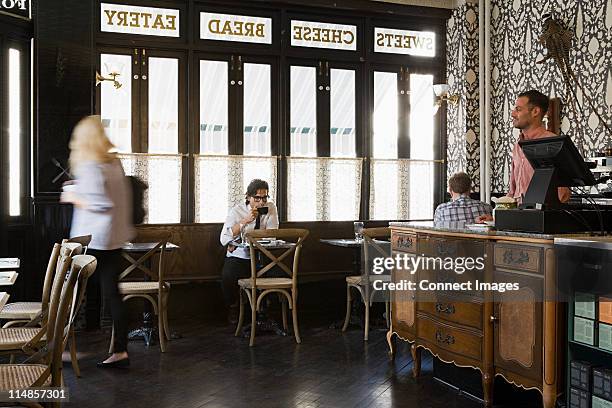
[(463, 312), (518, 257), (404, 242), (451, 247), (450, 338)]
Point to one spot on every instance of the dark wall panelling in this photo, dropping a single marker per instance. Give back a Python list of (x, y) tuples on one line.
[(64, 62)]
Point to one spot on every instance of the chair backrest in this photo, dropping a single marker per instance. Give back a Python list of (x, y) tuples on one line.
[(50, 273), (84, 240), (67, 251), (373, 249), (64, 303), (64, 250), (292, 235), (158, 239)]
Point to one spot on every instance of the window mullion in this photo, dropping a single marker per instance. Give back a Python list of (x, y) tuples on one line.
[(323, 110), (143, 106), (403, 139)]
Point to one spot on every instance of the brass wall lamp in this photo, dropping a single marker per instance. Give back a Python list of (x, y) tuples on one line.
[(113, 78)]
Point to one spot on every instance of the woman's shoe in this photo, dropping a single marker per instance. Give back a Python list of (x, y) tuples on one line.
[(124, 362)]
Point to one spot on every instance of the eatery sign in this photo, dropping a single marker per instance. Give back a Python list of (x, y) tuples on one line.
[(229, 27), (15, 8), (119, 18), (323, 35), (421, 43)]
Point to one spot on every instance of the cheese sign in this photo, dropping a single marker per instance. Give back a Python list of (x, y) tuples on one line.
[(421, 43), (228, 27), (323, 35), (118, 18)]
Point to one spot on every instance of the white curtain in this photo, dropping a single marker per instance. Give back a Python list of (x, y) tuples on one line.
[(221, 182), (402, 189), (323, 189), (163, 174)]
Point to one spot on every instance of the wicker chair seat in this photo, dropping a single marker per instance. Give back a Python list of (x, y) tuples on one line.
[(21, 376), (130, 288), (266, 283), (14, 338)]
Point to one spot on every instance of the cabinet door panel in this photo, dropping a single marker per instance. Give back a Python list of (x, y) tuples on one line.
[(518, 325)]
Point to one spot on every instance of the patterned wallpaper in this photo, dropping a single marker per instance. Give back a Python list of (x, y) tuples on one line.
[(516, 26)]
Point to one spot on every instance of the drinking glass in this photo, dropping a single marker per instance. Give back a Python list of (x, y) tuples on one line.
[(358, 226)]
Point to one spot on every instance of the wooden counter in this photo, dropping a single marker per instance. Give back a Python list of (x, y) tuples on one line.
[(521, 341)]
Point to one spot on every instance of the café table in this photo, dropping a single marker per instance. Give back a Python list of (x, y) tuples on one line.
[(130, 252), (8, 278), (9, 263)]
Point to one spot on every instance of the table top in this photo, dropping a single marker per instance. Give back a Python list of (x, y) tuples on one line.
[(9, 263), (343, 242), (3, 299), (8, 278), (274, 244), (146, 246)]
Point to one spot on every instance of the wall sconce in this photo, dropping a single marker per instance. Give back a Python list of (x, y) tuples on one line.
[(113, 77), (441, 92)]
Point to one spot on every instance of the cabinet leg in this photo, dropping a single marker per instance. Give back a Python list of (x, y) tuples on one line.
[(416, 360), (391, 344), (549, 396), (487, 389)]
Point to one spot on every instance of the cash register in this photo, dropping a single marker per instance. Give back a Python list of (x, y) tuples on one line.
[(556, 163)]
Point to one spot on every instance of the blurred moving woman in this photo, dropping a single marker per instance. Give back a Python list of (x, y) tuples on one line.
[(102, 208)]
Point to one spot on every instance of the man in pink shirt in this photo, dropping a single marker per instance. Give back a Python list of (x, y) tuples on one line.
[(527, 115)]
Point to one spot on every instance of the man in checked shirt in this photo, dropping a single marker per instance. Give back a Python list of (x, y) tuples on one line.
[(461, 208)]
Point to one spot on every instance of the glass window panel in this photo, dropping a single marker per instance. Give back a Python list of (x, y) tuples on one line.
[(342, 113), (15, 129), (257, 110), (253, 168), (384, 197), (385, 115), (421, 118), (212, 194), (213, 107), (303, 116), (163, 105), (302, 190), (116, 103)]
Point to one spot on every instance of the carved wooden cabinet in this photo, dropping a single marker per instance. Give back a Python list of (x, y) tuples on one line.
[(517, 335)]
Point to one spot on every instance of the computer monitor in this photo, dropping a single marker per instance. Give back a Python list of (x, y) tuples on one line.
[(556, 163)]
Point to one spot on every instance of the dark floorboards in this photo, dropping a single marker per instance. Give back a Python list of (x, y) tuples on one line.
[(210, 368)]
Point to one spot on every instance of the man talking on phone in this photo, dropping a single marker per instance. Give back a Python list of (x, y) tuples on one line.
[(256, 213)]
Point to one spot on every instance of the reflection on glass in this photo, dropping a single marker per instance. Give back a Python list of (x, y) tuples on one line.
[(385, 116), (303, 116), (342, 113), (213, 107), (421, 118), (163, 105), (14, 130), (257, 110), (116, 104)]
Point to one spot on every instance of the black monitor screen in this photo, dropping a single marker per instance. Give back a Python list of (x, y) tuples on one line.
[(559, 152)]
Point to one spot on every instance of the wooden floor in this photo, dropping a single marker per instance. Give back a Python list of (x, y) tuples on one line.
[(209, 367)]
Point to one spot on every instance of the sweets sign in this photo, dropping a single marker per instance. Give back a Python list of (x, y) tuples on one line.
[(117, 18), (388, 40), (17, 8), (227, 27)]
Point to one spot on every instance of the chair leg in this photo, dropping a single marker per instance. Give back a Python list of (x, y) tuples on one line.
[(165, 313), (73, 354), (388, 314), (241, 315), (367, 320), (111, 347), (296, 330), (160, 326), (253, 318), (347, 318), (284, 303)]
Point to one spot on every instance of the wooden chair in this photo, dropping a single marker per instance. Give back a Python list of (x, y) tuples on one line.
[(157, 290), (64, 302), (362, 282), (33, 335), (257, 286), (84, 240)]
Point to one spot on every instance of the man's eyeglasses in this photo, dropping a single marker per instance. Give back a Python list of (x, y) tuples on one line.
[(261, 198)]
